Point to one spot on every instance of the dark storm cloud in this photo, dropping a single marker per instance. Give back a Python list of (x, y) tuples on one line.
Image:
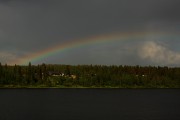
[(30, 25)]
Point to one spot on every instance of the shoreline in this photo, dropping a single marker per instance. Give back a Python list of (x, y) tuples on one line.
[(82, 87)]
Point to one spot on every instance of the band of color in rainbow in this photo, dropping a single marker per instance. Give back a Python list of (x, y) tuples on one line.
[(77, 43)]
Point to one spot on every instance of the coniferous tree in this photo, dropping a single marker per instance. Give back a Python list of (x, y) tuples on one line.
[(39, 73), (1, 73), (6, 74), (67, 71), (44, 72), (15, 76), (29, 73), (19, 75)]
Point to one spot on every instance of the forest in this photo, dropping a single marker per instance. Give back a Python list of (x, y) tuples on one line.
[(88, 76)]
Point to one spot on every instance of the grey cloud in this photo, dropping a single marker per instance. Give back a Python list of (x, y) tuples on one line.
[(29, 26), (7, 57)]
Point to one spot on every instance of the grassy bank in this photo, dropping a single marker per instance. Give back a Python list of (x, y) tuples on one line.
[(84, 87)]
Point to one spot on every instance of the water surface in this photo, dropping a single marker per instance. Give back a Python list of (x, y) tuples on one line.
[(94, 104)]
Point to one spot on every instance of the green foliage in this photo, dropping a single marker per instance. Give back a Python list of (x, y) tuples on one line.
[(89, 76)]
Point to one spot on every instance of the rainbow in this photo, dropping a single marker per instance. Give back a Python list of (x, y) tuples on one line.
[(72, 44)]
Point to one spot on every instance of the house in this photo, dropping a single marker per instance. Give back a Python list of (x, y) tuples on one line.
[(53, 73), (73, 76)]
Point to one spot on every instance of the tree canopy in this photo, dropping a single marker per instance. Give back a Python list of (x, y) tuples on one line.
[(49, 75)]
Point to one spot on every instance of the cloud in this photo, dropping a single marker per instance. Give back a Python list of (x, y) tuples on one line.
[(30, 26), (7, 57), (158, 54)]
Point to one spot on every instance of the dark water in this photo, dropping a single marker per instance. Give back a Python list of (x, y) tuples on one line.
[(93, 104)]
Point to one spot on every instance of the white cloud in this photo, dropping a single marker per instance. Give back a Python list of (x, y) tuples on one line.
[(158, 54), (7, 57)]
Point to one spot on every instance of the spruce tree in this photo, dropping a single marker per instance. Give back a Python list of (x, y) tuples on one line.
[(29, 74)]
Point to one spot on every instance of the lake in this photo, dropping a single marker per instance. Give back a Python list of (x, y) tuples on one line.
[(93, 104)]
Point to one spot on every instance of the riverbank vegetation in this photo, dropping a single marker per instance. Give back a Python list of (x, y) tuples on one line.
[(88, 76)]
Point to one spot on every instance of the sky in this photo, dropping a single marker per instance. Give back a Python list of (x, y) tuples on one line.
[(28, 27)]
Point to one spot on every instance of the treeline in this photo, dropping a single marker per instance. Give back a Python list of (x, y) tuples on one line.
[(89, 76)]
